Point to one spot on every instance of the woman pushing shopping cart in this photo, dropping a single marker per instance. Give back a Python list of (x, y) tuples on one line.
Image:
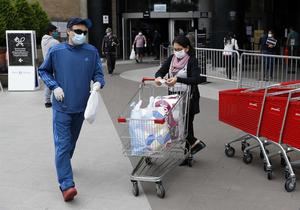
[(182, 70), (159, 119)]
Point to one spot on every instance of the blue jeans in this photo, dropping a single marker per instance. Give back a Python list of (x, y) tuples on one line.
[(268, 66), (66, 129)]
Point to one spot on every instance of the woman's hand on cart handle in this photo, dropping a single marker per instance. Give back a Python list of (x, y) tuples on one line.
[(290, 83)]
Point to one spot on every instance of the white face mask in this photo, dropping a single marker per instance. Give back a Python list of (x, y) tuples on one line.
[(78, 39), (140, 34), (180, 54), (270, 35)]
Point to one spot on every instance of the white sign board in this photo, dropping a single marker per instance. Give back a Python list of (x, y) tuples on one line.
[(160, 8), (105, 19), (22, 72)]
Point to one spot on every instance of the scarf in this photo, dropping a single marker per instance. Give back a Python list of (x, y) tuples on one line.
[(178, 64)]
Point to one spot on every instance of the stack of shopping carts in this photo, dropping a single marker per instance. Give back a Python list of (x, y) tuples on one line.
[(268, 116), (154, 130)]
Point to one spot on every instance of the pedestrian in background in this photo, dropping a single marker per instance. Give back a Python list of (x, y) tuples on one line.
[(230, 44), (268, 46), (293, 42), (182, 68), (140, 42), (48, 41), (68, 70), (156, 44), (110, 43)]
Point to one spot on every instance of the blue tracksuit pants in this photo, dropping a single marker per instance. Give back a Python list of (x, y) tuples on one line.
[(66, 129)]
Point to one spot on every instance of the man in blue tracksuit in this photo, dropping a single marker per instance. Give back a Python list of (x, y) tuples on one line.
[(68, 70)]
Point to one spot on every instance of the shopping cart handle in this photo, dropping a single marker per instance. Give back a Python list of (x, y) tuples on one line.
[(121, 120), (290, 83), (147, 79)]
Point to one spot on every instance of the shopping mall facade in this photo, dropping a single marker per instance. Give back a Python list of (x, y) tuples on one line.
[(246, 19)]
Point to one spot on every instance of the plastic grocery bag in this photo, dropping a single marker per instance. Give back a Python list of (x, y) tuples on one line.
[(91, 108), (136, 130), (132, 54)]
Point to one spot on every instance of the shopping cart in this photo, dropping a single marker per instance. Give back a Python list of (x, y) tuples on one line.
[(265, 115), (156, 139)]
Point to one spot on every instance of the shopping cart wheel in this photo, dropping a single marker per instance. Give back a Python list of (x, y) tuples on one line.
[(248, 157), (244, 145), (135, 188), (160, 190), (229, 151), (269, 174), (290, 184), (148, 161)]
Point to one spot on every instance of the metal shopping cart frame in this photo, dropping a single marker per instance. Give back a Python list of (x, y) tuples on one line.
[(283, 149), (154, 165)]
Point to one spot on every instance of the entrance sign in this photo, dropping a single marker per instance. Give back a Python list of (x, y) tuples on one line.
[(21, 48), (160, 8)]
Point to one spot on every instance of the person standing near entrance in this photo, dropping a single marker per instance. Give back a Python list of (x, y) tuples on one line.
[(156, 44), (48, 41), (230, 44), (140, 42), (110, 43), (68, 70), (293, 42), (268, 46)]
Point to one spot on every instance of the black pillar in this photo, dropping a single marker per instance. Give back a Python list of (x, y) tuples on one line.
[(96, 10), (225, 19)]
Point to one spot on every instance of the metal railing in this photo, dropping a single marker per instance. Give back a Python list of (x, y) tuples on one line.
[(258, 70), (165, 52), (248, 69), (219, 64)]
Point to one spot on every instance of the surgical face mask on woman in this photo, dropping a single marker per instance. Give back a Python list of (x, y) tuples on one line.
[(55, 34), (270, 35), (140, 34), (78, 39), (180, 54), (108, 33)]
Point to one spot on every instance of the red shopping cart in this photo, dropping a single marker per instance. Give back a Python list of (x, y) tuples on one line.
[(268, 116)]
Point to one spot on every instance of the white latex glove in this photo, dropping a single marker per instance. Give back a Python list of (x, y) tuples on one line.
[(145, 45), (96, 86), (59, 94)]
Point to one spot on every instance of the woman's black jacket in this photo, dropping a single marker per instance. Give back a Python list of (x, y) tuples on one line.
[(193, 79)]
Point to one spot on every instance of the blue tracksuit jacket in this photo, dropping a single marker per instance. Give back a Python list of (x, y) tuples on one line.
[(72, 68)]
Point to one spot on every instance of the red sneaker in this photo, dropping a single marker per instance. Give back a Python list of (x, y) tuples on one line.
[(69, 194)]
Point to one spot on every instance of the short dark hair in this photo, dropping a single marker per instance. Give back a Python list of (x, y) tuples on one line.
[(184, 42), (51, 28)]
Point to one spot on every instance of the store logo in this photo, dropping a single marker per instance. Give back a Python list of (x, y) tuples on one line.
[(19, 41)]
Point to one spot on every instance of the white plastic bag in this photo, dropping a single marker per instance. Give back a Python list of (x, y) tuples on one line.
[(136, 130), (91, 108), (132, 54)]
